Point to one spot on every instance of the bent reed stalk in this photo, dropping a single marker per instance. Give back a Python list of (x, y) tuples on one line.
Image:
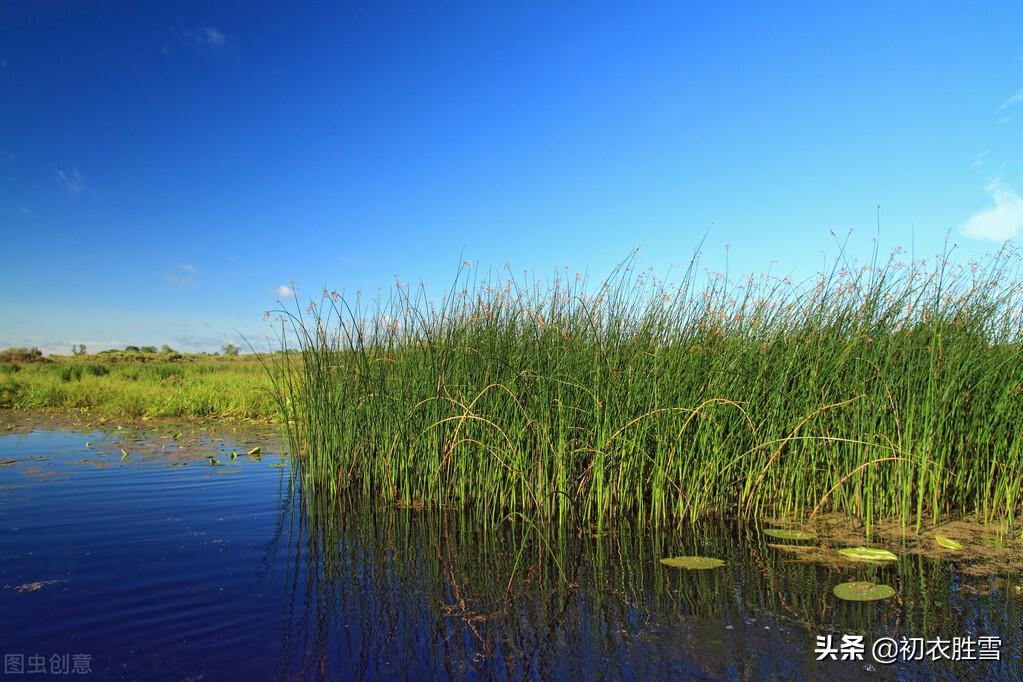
[(890, 390)]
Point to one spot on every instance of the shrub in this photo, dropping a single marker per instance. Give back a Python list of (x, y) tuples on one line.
[(97, 370), (70, 373), (22, 355)]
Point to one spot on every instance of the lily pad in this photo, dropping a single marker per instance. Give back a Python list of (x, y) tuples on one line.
[(788, 534), (867, 554), (863, 591), (696, 563), (947, 543)]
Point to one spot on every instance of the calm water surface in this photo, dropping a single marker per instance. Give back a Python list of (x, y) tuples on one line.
[(160, 566)]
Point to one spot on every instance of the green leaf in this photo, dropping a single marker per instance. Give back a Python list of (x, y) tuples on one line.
[(696, 563), (124, 454), (947, 543), (214, 462), (255, 451), (785, 534), (867, 554), (234, 455), (863, 591)]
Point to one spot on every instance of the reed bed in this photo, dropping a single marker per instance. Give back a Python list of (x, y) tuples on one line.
[(889, 390), (195, 387)]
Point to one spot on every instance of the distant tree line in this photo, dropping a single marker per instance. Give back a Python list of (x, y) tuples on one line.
[(33, 354)]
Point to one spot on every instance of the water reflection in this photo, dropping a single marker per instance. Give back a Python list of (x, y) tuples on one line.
[(401, 592), (161, 567)]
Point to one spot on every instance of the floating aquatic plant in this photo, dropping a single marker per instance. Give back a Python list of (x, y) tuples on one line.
[(947, 543), (863, 591), (867, 554), (697, 563)]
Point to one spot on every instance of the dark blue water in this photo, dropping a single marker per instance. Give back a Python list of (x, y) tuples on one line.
[(158, 571), (159, 566)]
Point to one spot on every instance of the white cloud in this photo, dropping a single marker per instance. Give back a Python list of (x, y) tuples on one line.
[(24, 211), (207, 40), (72, 181), (284, 291), (978, 160), (1015, 99), (1002, 221), (184, 274), (212, 37)]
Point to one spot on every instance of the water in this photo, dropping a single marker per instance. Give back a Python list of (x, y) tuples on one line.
[(160, 566)]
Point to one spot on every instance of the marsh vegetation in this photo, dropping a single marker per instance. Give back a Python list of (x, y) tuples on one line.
[(890, 390), (133, 384)]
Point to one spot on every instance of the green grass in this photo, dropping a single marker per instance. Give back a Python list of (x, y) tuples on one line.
[(884, 391), (132, 385)]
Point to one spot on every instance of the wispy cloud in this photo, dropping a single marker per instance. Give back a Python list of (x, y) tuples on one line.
[(978, 160), (71, 181), (205, 40), (211, 37), (1015, 99), (24, 211), (1003, 113), (1002, 221), (185, 274), (284, 291)]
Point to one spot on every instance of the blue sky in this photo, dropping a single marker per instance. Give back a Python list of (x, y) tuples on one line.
[(166, 167)]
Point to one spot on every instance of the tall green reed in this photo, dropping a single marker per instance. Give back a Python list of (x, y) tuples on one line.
[(889, 390)]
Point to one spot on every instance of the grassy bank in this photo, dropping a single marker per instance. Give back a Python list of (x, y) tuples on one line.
[(138, 385), (886, 391)]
